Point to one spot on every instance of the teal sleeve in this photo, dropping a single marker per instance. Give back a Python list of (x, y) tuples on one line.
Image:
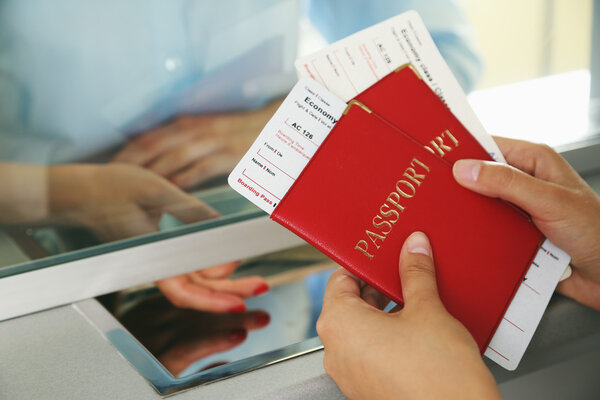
[(446, 22)]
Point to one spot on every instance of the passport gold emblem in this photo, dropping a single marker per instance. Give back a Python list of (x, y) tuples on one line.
[(389, 211)]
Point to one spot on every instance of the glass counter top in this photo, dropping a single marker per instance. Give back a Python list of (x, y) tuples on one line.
[(26, 249)]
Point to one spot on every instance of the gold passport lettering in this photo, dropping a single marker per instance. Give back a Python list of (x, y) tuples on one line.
[(439, 146), (389, 211)]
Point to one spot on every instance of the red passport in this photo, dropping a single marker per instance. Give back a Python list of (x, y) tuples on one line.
[(404, 100), (372, 183)]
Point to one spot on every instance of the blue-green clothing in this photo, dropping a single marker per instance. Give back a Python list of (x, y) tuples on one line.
[(80, 78)]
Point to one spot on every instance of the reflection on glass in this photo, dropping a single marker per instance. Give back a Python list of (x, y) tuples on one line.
[(73, 206), (46, 211), (120, 119), (179, 337), (132, 105), (187, 341)]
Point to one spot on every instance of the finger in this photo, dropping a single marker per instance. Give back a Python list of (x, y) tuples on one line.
[(128, 222), (178, 358), (342, 286), (343, 310), (219, 271), (134, 153), (198, 324), (178, 157), (149, 145), (182, 206), (373, 297), (202, 170), (255, 320), (185, 294), (535, 196), (538, 160), (243, 287), (580, 289), (172, 200), (417, 273), (190, 210)]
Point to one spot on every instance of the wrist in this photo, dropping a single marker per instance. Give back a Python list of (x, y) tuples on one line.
[(67, 188)]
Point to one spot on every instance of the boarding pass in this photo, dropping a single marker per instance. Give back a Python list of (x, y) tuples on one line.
[(309, 112)]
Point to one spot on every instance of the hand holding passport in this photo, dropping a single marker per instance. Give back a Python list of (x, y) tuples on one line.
[(420, 351), (382, 183), (356, 182)]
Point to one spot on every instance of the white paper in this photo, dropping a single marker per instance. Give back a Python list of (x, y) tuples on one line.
[(351, 65), (525, 311), (286, 144)]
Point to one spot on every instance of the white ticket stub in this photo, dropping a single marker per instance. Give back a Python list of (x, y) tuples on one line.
[(525, 311), (351, 65), (286, 144)]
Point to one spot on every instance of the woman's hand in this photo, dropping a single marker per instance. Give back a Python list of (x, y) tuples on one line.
[(212, 290), (559, 202), (419, 352), (179, 337), (192, 149), (118, 201)]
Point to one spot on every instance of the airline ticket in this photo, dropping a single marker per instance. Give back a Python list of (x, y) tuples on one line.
[(286, 144), (312, 108), (351, 65), (525, 311)]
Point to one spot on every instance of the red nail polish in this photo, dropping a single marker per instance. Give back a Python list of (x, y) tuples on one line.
[(237, 335), (214, 365), (237, 309), (261, 289), (262, 319)]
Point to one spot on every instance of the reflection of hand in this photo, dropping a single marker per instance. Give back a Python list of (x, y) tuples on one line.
[(211, 290), (118, 201), (419, 352), (560, 203), (179, 337), (193, 149)]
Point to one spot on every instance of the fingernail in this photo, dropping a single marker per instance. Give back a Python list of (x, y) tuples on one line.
[(418, 243), (567, 274), (237, 309), (237, 335), (467, 170), (262, 288), (262, 319), (214, 365)]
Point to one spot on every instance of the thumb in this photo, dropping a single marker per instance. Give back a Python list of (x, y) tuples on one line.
[(187, 208), (533, 195), (417, 272)]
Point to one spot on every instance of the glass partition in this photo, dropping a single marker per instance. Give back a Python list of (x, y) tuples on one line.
[(119, 121), (187, 342)]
